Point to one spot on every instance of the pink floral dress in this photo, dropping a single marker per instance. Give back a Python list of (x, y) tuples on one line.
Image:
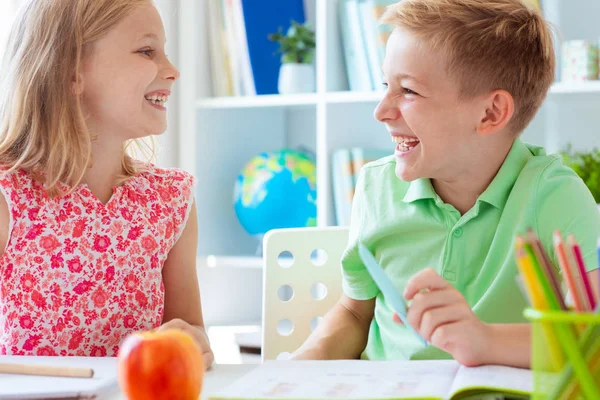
[(77, 275)]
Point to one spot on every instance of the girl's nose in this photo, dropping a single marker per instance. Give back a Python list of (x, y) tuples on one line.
[(170, 72)]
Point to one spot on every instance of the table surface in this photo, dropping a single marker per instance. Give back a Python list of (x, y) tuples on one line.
[(216, 379)]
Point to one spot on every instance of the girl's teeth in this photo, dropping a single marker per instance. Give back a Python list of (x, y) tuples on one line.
[(160, 100)]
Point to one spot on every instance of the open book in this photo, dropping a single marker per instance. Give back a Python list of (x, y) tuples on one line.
[(17, 387), (441, 379)]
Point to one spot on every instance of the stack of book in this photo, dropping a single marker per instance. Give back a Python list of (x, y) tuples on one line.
[(346, 164), (364, 40)]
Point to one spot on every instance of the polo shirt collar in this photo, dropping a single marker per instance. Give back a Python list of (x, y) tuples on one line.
[(419, 189), (498, 191)]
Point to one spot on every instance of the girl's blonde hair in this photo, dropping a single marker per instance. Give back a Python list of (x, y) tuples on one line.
[(488, 45), (42, 127)]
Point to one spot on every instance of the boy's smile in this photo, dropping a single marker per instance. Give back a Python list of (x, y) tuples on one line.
[(404, 144)]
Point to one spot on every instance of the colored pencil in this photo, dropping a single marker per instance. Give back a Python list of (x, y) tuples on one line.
[(548, 293), (563, 262), (547, 267), (572, 243)]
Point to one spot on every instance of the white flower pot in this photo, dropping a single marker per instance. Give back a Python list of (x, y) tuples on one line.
[(296, 78)]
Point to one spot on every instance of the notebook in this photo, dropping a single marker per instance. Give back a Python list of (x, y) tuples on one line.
[(104, 383), (370, 380)]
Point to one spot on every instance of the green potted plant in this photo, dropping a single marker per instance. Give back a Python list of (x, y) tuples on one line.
[(587, 165), (297, 48)]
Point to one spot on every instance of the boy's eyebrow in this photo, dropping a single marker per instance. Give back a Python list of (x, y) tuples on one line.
[(400, 77)]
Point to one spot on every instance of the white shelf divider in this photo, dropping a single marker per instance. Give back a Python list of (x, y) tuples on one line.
[(349, 97), (575, 87), (274, 100)]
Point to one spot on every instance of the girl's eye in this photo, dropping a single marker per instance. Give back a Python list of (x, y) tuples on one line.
[(147, 52), (408, 91)]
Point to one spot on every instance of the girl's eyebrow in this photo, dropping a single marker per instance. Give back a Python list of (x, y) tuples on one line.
[(150, 36)]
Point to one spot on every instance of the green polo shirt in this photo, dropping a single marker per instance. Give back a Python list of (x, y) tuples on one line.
[(408, 227)]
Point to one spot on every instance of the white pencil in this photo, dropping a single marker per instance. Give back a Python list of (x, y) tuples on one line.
[(43, 370)]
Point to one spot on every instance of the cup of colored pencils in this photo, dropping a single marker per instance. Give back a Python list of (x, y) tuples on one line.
[(565, 318)]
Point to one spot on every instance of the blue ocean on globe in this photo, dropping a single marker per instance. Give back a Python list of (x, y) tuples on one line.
[(277, 190)]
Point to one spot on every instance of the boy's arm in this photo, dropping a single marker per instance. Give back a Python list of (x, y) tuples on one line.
[(509, 344), (342, 334)]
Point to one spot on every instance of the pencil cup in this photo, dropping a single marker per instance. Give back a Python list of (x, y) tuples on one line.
[(574, 340)]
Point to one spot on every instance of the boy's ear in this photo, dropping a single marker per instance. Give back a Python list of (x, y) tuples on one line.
[(499, 111)]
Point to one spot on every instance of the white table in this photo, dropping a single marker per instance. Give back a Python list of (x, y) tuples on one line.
[(216, 379)]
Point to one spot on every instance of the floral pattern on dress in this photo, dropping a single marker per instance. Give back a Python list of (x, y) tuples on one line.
[(78, 275)]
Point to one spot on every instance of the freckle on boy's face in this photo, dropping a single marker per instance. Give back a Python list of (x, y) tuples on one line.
[(433, 128)]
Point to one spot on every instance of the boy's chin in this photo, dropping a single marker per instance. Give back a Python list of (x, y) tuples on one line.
[(406, 175)]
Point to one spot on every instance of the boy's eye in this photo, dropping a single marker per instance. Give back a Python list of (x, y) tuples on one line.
[(408, 91)]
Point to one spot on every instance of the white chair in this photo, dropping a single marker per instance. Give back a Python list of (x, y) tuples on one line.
[(302, 281)]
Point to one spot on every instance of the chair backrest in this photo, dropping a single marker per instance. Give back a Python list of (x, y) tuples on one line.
[(297, 296)]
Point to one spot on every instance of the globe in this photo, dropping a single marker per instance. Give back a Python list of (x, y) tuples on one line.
[(277, 190)]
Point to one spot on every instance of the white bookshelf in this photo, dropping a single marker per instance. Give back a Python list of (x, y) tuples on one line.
[(218, 136)]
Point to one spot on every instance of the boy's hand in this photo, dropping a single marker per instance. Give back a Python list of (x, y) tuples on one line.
[(441, 314), (199, 335)]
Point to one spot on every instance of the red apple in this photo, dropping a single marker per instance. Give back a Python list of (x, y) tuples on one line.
[(160, 366)]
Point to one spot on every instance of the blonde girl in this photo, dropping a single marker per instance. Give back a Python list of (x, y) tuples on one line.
[(94, 244)]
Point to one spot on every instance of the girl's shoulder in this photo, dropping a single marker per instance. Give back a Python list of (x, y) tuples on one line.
[(15, 179), (158, 177), (172, 181)]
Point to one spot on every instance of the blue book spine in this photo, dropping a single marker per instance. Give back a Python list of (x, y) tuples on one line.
[(261, 19)]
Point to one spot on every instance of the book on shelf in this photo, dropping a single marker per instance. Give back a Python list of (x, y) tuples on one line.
[(535, 4), (244, 62), (358, 379), (343, 185), (355, 55), (346, 164), (364, 40), (362, 156), (220, 67)]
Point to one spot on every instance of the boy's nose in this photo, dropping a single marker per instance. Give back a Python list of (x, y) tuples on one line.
[(386, 111)]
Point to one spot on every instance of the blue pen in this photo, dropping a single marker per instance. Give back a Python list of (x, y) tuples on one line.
[(387, 287)]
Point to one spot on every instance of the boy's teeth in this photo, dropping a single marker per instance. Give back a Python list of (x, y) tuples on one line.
[(403, 140)]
